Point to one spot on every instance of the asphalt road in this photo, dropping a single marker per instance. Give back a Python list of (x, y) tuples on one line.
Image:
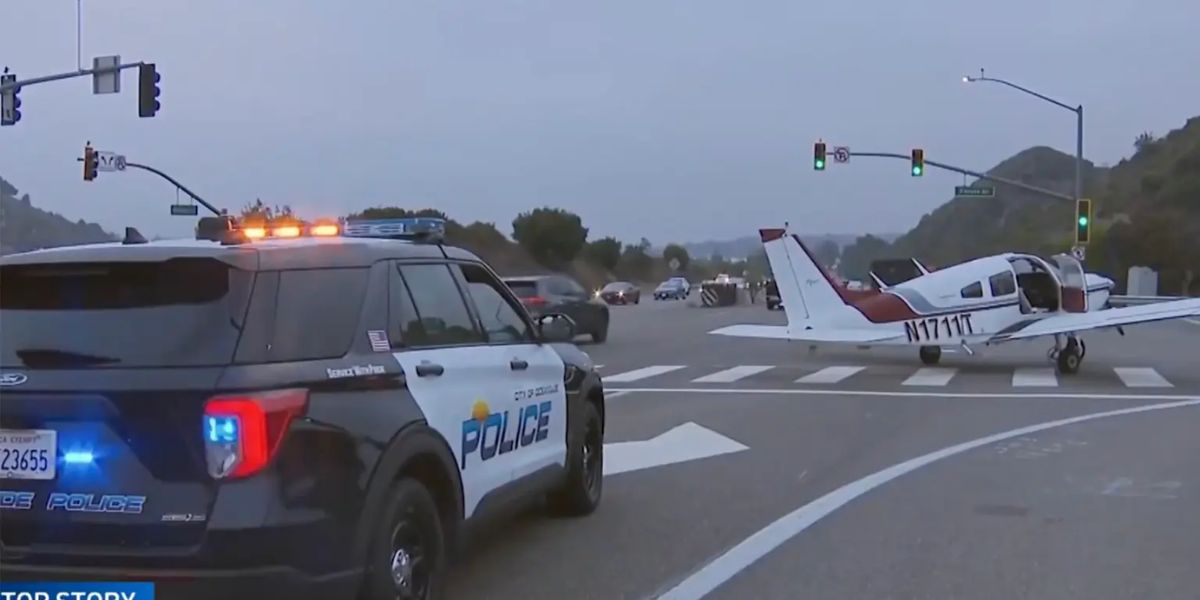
[(838, 495)]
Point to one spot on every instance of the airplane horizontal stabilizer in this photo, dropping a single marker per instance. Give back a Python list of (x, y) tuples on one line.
[(780, 332), (1100, 319)]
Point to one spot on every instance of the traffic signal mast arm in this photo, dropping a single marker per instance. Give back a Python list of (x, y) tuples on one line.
[(190, 193), (68, 75), (1018, 184)]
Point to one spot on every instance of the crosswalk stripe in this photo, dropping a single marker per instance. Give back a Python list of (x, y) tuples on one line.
[(1141, 377), (829, 375), (931, 376), (1034, 377), (734, 374), (641, 373)]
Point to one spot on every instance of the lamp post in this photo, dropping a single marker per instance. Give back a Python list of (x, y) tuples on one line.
[(1078, 110)]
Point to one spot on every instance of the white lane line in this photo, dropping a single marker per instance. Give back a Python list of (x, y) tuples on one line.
[(727, 565), (734, 374), (608, 395), (1034, 377), (931, 376), (1141, 377), (1193, 321), (599, 366), (642, 373), (743, 391), (829, 375)]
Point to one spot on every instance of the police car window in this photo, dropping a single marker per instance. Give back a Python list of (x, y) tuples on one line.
[(975, 290), (500, 319), (1002, 284), (442, 318), (303, 314), (174, 313)]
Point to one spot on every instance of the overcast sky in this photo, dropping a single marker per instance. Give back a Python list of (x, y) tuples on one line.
[(689, 119)]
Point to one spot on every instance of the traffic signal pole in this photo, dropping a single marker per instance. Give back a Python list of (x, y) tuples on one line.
[(1018, 184)]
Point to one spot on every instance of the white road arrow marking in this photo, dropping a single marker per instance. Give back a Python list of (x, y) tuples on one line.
[(680, 444)]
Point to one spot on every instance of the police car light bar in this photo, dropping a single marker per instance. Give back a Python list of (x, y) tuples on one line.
[(416, 229)]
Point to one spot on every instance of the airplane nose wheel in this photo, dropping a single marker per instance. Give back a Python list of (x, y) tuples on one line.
[(1069, 356)]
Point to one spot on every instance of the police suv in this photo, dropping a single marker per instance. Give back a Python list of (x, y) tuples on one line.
[(306, 412)]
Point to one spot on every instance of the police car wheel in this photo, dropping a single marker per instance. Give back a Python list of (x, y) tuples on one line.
[(580, 494), (407, 557)]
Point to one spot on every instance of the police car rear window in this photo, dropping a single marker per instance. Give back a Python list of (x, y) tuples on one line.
[(179, 312)]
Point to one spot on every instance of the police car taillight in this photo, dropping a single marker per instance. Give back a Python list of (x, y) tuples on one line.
[(243, 432), (255, 233)]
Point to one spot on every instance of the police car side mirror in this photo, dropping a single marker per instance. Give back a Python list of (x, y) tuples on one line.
[(556, 328)]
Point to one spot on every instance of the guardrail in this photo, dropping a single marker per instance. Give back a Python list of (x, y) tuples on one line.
[(1138, 300)]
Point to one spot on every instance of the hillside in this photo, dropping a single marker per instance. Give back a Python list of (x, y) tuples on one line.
[(1147, 212), (24, 227)]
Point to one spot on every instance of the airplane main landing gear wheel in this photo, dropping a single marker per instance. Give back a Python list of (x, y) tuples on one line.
[(930, 355), (1070, 356)]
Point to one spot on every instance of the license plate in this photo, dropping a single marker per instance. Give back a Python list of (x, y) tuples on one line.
[(28, 453)]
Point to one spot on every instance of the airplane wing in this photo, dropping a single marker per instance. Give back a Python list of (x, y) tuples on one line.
[(780, 332), (1113, 317)]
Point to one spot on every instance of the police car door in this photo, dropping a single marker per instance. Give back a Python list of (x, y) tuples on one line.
[(460, 384), (536, 426)]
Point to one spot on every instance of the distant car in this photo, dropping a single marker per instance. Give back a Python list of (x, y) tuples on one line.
[(551, 294), (675, 288), (620, 292), (772, 295)]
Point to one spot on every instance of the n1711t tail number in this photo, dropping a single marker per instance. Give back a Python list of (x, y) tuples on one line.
[(939, 328)]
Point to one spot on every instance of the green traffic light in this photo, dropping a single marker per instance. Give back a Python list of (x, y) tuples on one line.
[(1083, 221), (820, 164), (916, 170)]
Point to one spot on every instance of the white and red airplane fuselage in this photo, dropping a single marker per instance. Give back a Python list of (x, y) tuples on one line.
[(988, 300)]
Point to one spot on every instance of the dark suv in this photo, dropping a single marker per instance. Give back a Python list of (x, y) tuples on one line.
[(314, 417), (545, 294)]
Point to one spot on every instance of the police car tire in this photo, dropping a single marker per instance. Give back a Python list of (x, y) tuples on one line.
[(577, 497), (409, 499)]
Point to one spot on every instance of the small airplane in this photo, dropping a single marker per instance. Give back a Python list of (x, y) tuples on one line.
[(990, 300)]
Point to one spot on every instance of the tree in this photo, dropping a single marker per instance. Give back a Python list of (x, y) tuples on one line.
[(604, 252), (827, 253), (259, 211), (857, 257), (635, 261), (679, 253), (1143, 141), (552, 236)]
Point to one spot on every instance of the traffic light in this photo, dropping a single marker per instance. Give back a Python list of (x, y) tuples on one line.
[(89, 163), (10, 101), (1083, 221), (148, 90), (918, 162), (819, 156)]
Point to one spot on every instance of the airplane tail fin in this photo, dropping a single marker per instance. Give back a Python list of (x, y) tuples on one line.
[(810, 297)]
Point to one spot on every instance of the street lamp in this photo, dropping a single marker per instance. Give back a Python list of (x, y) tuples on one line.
[(1078, 110)]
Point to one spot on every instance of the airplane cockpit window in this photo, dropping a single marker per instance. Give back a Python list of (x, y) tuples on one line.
[(975, 290), (1002, 284)]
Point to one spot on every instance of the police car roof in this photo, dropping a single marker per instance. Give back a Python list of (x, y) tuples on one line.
[(264, 255)]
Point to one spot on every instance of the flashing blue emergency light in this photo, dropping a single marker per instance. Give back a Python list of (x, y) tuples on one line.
[(222, 429), (415, 228), (79, 457)]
